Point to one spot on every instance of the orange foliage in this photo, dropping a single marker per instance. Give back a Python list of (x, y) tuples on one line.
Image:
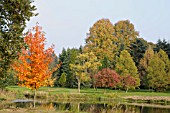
[(33, 65)]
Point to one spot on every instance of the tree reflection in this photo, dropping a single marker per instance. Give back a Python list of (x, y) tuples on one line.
[(89, 107)]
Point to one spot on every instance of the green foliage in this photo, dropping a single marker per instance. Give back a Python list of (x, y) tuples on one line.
[(144, 63), (158, 71), (106, 63), (62, 79), (13, 17), (125, 66), (67, 57), (85, 65), (163, 56), (8, 79), (137, 50), (164, 45)]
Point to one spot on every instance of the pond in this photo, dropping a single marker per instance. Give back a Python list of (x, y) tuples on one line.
[(87, 107)]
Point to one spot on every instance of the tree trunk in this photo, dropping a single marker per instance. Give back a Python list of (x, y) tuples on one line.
[(126, 90), (34, 97), (78, 107), (79, 85), (93, 82)]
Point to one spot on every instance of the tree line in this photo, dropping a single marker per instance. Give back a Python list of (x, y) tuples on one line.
[(117, 49)]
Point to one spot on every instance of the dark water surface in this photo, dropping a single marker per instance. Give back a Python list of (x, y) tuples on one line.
[(94, 107)]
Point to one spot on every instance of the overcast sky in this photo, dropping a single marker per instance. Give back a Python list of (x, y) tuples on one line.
[(66, 22)]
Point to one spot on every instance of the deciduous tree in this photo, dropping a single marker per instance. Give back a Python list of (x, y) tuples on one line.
[(86, 65), (156, 75), (125, 66), (107, 78), (101, 40), (127, 82), (13, 17), (33, 66), (126, 34), (158, 71), (144, 63)]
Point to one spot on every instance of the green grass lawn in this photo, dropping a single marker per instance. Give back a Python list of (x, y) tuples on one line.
[(59, 90), (86, 95)]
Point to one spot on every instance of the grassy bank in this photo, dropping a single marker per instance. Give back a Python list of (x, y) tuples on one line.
[(89, 94)]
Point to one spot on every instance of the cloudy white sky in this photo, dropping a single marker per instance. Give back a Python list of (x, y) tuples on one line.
[(66, 22)]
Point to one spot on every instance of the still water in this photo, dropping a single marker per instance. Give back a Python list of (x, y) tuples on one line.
[(94, 107)]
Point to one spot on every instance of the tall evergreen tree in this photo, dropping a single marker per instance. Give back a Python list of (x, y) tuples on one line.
[(164, 45), (67, 57), (71, 79), (137, 50)]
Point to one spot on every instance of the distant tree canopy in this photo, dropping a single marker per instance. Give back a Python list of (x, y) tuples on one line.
[(13, 17)]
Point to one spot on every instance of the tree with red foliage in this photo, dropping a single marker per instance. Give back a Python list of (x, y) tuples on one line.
[(106, 78), (127, 82)]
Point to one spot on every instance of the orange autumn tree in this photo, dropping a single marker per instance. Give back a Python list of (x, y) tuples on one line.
[(33, 65)]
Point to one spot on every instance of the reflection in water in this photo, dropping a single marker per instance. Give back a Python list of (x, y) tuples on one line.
[(75, 107)]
